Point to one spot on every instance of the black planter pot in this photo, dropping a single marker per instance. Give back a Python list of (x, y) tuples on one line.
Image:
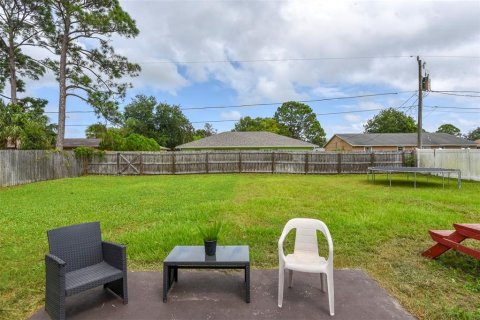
[(210, 247)]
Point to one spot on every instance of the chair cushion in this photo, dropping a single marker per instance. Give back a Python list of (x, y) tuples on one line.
[(90, 277), (306, 262)]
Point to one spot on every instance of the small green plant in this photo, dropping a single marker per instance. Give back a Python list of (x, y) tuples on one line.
[(211, 232), (410, 160)]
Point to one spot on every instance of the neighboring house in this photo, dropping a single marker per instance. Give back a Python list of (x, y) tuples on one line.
[(69, 144), (395, 142), (478, 143), (254, 140)]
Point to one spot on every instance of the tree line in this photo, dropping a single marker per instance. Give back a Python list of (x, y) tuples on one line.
[(74, 36), (394, 121), (168, 127)]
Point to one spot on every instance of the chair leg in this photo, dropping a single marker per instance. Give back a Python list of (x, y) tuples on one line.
[(119, 287), (55, 306), (331, 293), (323, 282), (290, 278), (281, 281)]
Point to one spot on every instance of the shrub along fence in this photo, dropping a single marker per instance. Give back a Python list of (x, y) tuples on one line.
[(143, 163), (26, 166)]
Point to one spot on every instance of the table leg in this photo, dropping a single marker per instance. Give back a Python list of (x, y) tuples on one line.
[(247, 280), (166, 281)]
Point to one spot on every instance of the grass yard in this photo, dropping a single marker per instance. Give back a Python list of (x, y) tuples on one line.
[(379, 229)]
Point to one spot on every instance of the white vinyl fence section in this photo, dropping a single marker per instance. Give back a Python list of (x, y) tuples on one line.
[(467, 160)]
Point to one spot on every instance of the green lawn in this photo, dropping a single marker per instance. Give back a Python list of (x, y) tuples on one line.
[(379, 229)]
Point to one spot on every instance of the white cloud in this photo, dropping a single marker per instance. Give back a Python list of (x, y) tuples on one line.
[(352, 117), (230, 115), (198, 31)]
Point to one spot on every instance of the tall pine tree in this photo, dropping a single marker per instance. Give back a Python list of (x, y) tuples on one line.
[(87, 66)]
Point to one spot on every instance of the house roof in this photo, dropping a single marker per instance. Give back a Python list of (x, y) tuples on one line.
[(253, 139), (403, 139), (81, 142)]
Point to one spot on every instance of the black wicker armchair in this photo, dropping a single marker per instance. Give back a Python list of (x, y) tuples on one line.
[(79, 260)]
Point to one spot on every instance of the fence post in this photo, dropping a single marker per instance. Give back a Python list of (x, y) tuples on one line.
[(118, 162), (403, 158), (339, 162), (173, 162), (306, 163), (372, 159), (141, 163), (206, 162), (273, 162), (240, 162)]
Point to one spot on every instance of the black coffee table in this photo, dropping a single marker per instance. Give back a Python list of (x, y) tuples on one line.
[(193, 257)]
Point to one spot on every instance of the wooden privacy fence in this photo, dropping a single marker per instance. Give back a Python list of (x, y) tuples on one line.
[(26, 166), (142, 163)]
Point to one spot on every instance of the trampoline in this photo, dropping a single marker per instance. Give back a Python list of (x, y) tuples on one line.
[(371, 171)]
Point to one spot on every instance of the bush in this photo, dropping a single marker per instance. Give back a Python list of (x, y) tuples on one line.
[(114, 141), (410, 160), (137, 142), (87, 153)]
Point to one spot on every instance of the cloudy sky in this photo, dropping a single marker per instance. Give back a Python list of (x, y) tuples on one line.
[(231, 53)]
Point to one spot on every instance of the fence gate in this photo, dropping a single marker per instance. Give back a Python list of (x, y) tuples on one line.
[(129, 163)]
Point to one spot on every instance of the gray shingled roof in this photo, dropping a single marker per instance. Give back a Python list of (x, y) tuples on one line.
[(254, 139), (81, 142), (404, 139)]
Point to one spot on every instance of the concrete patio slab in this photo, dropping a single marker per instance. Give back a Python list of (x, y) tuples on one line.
[(221, 295)]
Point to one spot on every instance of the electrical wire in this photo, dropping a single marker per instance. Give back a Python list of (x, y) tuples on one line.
[(456, 94), (299, 59)]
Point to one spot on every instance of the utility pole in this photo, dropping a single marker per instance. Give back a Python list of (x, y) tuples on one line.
[(420, 104)]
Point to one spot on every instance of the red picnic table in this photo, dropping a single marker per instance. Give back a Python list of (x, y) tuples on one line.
[(451, 239)]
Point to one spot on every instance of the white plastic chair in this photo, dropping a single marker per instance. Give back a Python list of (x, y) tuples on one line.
[(305, 256)]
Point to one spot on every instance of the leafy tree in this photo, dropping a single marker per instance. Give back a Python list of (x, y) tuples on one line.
[(25, 125), (139, 116), (450, 129), (137, 142), (301, 122), (173, 127), (163, 122), (474, 134), (95, 131), (87, 66), (207, 131), (113, 140), (21, 24), (390, 121), (260, 124)]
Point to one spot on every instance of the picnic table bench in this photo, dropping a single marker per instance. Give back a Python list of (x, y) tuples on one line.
[(451, 239)]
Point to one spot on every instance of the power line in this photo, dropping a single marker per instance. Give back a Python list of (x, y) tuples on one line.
[(298, 59), (458, 95), (276, 103), (267, 104), (458, 91), (319, 114), (474, 108)]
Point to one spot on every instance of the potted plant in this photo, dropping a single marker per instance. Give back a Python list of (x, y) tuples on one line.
[(210, 236)]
